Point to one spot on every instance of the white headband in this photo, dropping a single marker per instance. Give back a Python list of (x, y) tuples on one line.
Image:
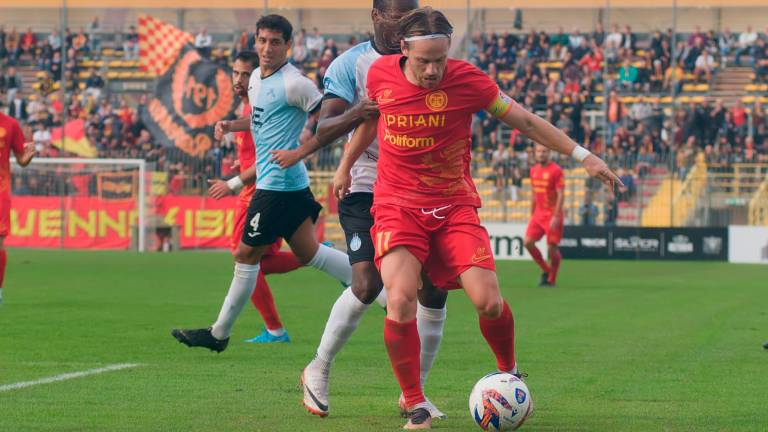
[(425, 37)]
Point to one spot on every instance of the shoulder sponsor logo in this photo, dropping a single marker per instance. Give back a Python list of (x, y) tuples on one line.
[(680, 244), (712, 245), (437, 101), (385, 97)]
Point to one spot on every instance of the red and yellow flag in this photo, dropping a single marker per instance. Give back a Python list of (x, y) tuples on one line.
[(72, 139)]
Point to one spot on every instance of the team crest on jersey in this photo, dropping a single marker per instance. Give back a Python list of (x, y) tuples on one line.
[(385, 96), (437, 101)]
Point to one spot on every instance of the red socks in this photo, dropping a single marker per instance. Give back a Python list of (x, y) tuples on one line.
[(262, 299), (500, 335), (3, 261), (404, 348), (554, 258), (281, 262), (536, 255)]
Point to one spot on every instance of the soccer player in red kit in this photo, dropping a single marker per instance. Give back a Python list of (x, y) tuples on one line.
[(425, 201), (547, 184), (11, 139), (274, 261)]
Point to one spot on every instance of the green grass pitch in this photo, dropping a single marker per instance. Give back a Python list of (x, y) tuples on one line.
[(635, 346)]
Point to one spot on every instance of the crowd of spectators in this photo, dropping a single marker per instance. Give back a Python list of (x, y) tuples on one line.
[(560, 75)]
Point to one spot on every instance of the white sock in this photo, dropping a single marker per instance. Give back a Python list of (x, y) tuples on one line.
[(276, 332), (333, 262), (243, 283), (342, 322), (381, 299), (430, 323)]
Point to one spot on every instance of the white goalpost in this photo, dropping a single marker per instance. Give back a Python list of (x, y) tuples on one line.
[(101, 178)]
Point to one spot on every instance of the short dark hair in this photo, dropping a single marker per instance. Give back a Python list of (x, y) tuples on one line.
[(277, 23), (248, 56)]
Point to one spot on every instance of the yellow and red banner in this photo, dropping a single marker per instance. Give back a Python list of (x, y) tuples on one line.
[(71, 222), (96, 223)]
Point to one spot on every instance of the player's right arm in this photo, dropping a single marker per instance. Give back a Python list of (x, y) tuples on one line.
[(362, 138), (335, 121), (225, 126)]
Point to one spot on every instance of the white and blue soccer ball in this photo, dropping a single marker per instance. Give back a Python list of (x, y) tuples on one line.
[(500, 402)]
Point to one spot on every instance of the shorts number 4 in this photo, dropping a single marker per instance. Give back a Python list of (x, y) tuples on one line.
[(255, 225)]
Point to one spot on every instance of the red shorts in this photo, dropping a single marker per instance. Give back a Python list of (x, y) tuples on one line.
[(447, 241), (241, 212), (5, 214), (540, 225)]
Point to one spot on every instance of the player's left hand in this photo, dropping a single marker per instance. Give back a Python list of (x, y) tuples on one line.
[(286, 158), (28, 153), (218, 189), (597, 168), (342, 181)]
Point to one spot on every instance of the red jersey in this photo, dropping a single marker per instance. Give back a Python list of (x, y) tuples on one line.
[(546, 180), (11, 138), (425, 135), (246, 153)]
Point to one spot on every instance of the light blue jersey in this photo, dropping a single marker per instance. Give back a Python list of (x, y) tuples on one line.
[(346, 78), (279, 107)]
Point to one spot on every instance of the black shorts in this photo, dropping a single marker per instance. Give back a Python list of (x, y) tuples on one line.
[(356, 221), (274, 214)]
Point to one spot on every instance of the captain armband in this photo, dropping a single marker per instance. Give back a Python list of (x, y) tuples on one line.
[(501, 105)]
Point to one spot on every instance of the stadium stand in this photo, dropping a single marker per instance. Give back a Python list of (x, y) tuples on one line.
[(677, 124)]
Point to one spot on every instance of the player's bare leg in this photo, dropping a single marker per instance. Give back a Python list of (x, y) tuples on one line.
[(554, 263), (401, 273), (216, 337), (530, 246), (496, 322)]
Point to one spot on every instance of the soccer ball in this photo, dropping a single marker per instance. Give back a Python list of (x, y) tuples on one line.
[(500, 402)]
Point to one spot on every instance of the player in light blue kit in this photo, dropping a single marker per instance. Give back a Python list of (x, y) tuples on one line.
[(283, 205)]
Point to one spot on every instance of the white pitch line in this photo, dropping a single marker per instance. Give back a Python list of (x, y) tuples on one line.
[(67, 376)]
